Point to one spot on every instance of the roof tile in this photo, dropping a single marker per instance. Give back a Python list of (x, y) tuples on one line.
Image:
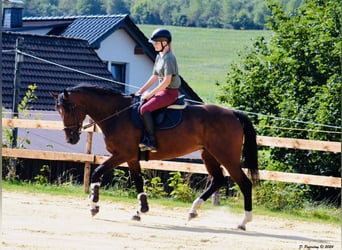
[(74, 53), (92, 28)]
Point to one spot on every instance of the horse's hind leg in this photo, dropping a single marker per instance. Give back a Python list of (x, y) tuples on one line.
[(245, 185), (217, 181)]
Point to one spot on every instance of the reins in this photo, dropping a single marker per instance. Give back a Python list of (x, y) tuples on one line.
[(117, 113)]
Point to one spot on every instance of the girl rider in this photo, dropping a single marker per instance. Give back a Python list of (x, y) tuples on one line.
[(166, 71)]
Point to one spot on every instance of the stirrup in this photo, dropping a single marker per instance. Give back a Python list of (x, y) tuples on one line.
[(147, 145), (144, 147), (152, 149)]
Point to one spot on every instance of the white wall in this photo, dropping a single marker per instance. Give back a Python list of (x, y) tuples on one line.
[(119, 47)]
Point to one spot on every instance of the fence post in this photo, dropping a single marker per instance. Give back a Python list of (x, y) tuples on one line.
[(87, 165), (19, 58)]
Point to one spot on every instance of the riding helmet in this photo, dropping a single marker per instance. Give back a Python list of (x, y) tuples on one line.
[(161, 35)]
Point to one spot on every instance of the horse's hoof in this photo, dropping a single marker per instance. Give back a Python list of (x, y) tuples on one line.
[(144, 209), (136, 217), (94, 210), (143, 203), (242, 227), (192, 216)]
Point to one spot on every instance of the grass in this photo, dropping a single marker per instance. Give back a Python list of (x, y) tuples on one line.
[(205, 55), (319, 213)]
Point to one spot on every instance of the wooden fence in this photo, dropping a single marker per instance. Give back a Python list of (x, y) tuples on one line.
[(88, 158)]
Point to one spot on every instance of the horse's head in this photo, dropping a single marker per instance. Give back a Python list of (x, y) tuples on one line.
[(72, 115)]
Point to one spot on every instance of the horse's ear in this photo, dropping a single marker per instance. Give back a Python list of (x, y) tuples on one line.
[(66, 95), (54, 95)]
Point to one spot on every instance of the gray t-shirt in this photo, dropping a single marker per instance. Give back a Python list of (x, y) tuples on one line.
[(167, 65)]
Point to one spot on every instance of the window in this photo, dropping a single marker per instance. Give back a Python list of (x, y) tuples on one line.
[(118, 71)]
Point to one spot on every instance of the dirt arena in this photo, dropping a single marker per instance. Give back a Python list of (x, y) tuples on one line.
[(39, 221)]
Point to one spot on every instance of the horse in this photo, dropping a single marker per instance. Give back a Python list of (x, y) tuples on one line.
[(223, 136)]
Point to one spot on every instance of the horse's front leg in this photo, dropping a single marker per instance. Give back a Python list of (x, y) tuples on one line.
[(135, 169), (96, 177)]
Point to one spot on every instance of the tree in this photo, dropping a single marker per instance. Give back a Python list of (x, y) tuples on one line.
[(116, 7), (296, 76), (143, 12), (89, 7), (238, 14), (42, 7), (212, 14), (66, 7)]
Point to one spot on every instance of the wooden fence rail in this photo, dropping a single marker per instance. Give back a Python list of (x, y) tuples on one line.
[(89, 158), (261, 140)]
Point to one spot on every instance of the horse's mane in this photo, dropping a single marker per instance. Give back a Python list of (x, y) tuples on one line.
[(105, 89)]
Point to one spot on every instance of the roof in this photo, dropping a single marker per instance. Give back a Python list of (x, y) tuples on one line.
[(93, 28), (70, 52)]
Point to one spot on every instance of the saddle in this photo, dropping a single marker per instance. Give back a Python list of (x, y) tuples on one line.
[(164, 118)]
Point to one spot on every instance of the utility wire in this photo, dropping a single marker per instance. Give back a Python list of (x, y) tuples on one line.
[(75, 70), (292, 120), (193, 101)]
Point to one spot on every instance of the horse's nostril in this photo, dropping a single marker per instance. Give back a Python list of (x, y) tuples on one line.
[(73, 139)]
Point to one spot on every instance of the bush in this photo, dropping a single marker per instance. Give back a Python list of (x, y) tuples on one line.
[(280, 196), (44, 177), (181, 189), (155, 188)]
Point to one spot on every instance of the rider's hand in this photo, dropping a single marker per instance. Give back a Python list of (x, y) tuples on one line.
[(146, 96)]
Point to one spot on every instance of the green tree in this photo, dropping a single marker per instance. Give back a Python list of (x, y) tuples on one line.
[(238, 14), (211, 14), (66, 8), (297, 76), (292, 4), (40, 8), (116, 7), (244, 14), (169, 12), (89, 7), (194, 13), (143, 12)]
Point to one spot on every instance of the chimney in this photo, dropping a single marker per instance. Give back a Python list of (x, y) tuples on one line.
[(12, 13)]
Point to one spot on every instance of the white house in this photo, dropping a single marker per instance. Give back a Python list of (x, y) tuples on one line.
[(82, 42)]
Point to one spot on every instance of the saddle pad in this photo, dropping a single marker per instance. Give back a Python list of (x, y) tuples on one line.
[(163, 118)]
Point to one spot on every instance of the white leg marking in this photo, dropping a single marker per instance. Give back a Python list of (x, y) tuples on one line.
[(248, 218), (196, 205)]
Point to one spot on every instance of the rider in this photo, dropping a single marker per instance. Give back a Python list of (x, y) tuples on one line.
[(166, 71)]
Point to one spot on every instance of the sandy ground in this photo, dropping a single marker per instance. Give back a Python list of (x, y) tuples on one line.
[(42, 221)]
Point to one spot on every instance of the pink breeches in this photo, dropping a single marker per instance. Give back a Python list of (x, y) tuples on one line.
[(160, 100)]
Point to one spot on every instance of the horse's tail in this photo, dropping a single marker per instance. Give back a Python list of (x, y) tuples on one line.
[(250, 151)]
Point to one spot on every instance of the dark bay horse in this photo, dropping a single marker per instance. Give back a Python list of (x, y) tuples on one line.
[(222, 135)]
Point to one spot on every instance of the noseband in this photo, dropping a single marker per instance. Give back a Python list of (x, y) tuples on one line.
[(76, 126), (69, 107)]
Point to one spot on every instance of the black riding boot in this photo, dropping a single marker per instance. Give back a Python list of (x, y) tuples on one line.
[(149, 140)]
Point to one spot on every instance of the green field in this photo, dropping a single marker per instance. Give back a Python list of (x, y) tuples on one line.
[(204, 55)]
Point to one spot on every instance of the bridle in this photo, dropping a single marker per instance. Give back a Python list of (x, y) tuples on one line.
[(76, 126), (79, 127)]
